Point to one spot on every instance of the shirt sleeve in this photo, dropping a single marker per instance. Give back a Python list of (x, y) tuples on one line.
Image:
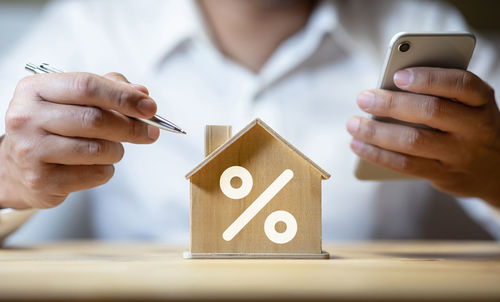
[(485, 63), (52, 39), (11, 220), (484, 214)]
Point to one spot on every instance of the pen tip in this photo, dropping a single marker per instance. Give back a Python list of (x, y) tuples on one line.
[(183, 132)]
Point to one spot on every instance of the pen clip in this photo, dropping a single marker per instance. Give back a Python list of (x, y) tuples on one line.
[(42, 68), (46, 66), (33, 68)]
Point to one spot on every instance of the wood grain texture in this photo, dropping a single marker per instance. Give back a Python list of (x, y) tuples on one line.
[(255, 122), (215, 136), (377, 271), (189, 255), (265, 158)]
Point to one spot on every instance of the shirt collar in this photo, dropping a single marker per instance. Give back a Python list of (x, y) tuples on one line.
[(176, 22), (329, 19), (172, 24), (324, 18), (322, 25)]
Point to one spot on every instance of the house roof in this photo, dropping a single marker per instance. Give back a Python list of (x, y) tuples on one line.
[(254, 123)]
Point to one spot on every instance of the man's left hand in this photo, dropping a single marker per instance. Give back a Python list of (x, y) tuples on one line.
[(460, 155)]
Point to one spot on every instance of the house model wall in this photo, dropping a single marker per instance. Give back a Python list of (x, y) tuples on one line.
[(268, 171)]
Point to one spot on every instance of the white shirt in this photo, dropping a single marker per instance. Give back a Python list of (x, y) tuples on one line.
[(306, 92)]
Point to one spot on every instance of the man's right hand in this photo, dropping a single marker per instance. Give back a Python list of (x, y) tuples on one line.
[(63, 134)]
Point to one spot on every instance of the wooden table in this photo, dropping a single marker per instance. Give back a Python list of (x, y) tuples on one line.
[(382, 271)]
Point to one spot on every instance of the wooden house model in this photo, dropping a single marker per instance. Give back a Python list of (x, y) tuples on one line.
[(254, 195)]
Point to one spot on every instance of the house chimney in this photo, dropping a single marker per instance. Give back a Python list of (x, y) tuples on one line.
[(215, 136)]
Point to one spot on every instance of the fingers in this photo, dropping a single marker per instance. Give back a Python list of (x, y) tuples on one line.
[(50, 184), (90, 90), (403, 139), (57, 149), (63, 133), (115, 76), (93, 122), (406, 164), (67, 179), (121, 78), (432, 111), (457, 84)]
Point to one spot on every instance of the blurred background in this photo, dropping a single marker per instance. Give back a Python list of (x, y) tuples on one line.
[(17, 16)]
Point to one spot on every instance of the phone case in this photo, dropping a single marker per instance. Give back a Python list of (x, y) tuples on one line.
[(445, 50)]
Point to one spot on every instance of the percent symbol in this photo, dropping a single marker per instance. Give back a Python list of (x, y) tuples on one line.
[(264, 198)]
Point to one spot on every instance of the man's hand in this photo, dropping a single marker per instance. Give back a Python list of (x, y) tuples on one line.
[(63, 134), (461, 156)]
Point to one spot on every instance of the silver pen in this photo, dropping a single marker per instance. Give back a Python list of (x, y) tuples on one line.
[(156, 121)]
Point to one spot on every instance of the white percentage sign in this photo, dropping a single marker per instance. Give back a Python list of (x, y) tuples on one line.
[(258, 205)]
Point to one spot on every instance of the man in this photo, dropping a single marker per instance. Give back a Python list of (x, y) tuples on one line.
[(296, 64)]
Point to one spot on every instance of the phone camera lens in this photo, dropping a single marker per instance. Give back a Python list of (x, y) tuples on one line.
[(404, 47)]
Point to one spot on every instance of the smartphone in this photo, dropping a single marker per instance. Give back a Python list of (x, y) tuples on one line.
[(445, 50)]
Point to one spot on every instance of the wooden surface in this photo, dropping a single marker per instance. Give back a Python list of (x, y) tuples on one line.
[(265, 158), (356, 272)]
